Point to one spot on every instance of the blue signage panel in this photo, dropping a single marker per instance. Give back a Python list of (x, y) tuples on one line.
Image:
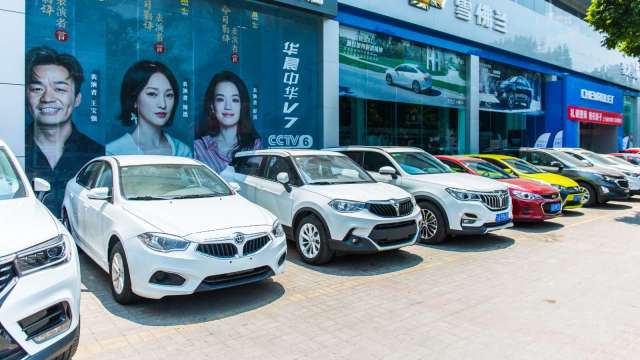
[(593, 95), (327, 7)]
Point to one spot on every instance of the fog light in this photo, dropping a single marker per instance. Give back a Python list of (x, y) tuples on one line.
[(604, 189), (281, 260), (47, 323), (469, 219), (165, 278)]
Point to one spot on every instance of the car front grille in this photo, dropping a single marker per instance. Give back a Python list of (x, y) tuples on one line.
[(391, 208), (496, 201), (394, 233), (623, 183), (546, 208), (551, 196), (254, 245), (222, 281), (7, 274), (219, 250)]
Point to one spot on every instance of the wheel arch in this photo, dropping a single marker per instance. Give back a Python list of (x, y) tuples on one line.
[(432, 200), (305, 211)]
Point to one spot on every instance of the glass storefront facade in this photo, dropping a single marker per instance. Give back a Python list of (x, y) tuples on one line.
[(630, 126)]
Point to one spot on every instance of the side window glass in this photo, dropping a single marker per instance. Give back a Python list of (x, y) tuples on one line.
[(277, 165), (106, 177), (249, 165), (373, 161), (455, 167), (88, 175), (355, 156), (497, 163)]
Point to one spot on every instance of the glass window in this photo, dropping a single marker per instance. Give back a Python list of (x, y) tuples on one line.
[(106, 177), (356, 156), (540, 159), (279, 164), (11, 187), (89, 174), (418, 163), (487, 169), (521, 166), (570, 161), (170, 181), (373, 161), (249, 165), (454, 166), (330, 169)]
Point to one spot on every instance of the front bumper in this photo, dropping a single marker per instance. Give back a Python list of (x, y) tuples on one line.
[(39, 291), (535, 210), (363, 232), (200, 271), (612, 191), (572, 200), (473, 218)]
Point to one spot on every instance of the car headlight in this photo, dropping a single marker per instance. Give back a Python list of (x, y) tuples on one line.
[(277, 230), (347, 205), (164, 242), (51, 252), (524, 195), (463, 195)]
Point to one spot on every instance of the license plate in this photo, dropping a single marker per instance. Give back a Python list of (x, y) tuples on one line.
[(555, 207), (577, 197), (502, 217)]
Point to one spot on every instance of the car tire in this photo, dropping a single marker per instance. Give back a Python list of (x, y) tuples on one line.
[(432, 226), (312, 241), (389, 79), (119, 267), (415, 86), (511, 100), (590, 193)]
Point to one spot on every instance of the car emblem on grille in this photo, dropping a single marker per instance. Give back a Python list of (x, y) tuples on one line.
[(396, 206), (238, 238)]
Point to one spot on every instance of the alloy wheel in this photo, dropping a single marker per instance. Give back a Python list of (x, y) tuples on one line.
[(428, 224), (309, 239), (586, 197), (117, 273)]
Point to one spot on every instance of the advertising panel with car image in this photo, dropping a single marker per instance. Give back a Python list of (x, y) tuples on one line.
[(508, 89)]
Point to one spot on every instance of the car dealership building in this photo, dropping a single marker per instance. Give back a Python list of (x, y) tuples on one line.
[(453, 76)]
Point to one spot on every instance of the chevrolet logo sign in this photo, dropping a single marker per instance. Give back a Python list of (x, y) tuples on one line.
[(427, 4)]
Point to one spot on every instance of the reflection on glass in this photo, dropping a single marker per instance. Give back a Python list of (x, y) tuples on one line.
[(11, 187), (523, 166), (330, 169), (419, 163), (487, 169)]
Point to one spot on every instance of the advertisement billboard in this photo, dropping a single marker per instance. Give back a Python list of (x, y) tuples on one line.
[(201, 78), (381, 67), (508, 89)]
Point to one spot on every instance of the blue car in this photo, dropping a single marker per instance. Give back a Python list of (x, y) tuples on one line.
[(515, 92)]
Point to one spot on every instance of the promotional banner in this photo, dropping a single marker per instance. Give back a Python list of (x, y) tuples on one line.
[(508, 89), (380, 67), (201, 78)]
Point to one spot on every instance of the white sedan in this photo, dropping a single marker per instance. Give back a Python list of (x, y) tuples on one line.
[(169, 226), (409, 75)]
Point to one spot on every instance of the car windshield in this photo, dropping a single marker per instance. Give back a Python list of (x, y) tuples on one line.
[(523, 166), (617, 160), (598, 159), (11, 186), (170, 181), (572, 160), (487, 169), (330, 170), (420, 163)]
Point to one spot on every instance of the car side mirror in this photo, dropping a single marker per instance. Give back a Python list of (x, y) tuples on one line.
[(99, 193), (41, 185), (388, 170), (556, 164), (283, 178), (234, 186)]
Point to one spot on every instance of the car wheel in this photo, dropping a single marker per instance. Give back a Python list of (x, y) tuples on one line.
[(432, 225), (120, 279), (312, 241), (590, 195), (389, 79), (416, 87), (511, 100)]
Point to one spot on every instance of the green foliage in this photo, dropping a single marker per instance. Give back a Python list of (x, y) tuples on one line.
[(619, 21)]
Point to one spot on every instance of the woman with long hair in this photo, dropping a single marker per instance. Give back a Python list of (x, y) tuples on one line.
[(229, 128), (148, 102)]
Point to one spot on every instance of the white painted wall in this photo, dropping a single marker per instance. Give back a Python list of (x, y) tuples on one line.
[(12, 45)]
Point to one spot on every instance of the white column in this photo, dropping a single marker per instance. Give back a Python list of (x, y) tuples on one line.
[(12, 20), (473, 104), (330, 84)]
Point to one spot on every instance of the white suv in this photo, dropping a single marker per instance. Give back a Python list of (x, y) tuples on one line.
[(326, 202), (39, 272), (163, 225), (451, 203)]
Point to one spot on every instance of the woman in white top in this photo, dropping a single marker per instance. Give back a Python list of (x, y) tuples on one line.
[(148, 102)]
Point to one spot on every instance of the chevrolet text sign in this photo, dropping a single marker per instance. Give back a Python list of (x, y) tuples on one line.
[(596, 96)]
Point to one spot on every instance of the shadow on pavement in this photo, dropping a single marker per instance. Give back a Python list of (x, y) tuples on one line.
[(537, 227), (572, 213), (180, 310), (479, 243), (631, 219), (360, 265), (612, 206)]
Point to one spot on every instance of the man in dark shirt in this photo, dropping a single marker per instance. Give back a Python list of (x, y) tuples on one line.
[(55, 150)]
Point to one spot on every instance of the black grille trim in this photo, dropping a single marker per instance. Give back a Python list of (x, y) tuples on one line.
[(394, 234), (9, 348), (254, 245), (222, 281), (45, 320), (219, 250), (386, 209), (623, 183)]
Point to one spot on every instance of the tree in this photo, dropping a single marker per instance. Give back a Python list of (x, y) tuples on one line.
[(619, 21)]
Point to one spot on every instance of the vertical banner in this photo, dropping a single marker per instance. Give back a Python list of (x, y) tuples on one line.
[(195, 78)]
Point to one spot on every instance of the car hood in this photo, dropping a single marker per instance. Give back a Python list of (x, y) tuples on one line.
[(359, 192), (553, 179), (601, 170), (25, 223), (533, 186), (183, 217), (460, 181)]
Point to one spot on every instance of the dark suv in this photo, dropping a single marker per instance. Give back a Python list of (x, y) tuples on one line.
[(515, 91), (600, 184)]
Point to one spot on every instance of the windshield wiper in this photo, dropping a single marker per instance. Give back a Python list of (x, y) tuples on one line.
[(149, 197), (197, 196), (322, 183)]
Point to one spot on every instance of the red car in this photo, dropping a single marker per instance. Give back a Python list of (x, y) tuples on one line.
[(632, 151), (532, 200), (633, 158)]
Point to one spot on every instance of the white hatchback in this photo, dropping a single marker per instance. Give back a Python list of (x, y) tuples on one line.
[(165, 225), (39, 272), (326, 202)]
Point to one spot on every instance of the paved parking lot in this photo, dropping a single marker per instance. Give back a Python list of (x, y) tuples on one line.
[(567, 289)]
